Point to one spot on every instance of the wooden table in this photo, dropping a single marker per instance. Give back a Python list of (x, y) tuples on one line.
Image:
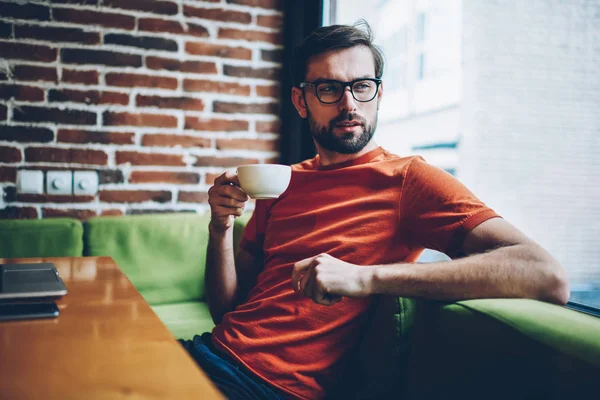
[(107, 343)]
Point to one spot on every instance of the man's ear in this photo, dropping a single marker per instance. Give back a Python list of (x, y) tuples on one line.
[(298, 100), (380, 92)]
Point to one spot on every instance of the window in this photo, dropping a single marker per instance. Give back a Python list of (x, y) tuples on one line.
[(516, 95), (420, 34), (421, 66), (586, 301), (395, 48), (422, 44)]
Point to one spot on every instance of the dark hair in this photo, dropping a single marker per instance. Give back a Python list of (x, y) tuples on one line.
[(334, 37)]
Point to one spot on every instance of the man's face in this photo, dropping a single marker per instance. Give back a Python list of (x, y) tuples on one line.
[(348, 125)]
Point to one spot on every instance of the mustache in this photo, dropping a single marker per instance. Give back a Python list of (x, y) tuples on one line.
[(347, 117)]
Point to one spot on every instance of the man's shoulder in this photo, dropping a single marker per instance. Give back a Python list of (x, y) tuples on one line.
[(306, 165), (389, 156), (390, 162)]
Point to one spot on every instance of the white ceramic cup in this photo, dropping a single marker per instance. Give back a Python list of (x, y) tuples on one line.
[(264, 181)]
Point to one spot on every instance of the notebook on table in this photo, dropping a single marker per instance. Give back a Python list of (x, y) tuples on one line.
[(29, 281)]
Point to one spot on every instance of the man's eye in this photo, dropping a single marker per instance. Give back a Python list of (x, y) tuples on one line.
[(362, 86), (327, 89)]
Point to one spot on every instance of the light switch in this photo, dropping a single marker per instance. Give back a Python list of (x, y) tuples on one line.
[(30, 182), (59, 182), (85, 182)]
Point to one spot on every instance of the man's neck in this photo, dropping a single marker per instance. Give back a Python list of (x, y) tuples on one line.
[(327, 157)]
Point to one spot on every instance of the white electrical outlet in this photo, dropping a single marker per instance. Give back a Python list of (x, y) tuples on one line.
[(85, 182), (30, 182), (59, 182)]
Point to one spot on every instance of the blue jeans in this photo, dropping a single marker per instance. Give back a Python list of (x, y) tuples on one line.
[(233, 380)]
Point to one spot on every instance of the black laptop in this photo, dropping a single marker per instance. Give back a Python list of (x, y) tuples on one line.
[(28, 281)]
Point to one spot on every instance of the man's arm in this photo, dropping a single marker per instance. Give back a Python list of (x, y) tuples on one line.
[(501, 262), (220, 279), (227, 280)]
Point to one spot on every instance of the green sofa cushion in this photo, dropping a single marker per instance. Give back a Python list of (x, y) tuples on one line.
[(501, 349), (53, 237), (567, 331), (162, 254), (185, 320)]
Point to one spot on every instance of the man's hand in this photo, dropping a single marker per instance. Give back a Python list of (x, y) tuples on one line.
[(226, 201), (325, 279)]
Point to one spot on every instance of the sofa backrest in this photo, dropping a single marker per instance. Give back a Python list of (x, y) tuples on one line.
[(163, 255), (54, 237)]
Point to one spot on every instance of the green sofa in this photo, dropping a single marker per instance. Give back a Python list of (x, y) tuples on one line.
[(53, 237), (163, 256), (488, 348)]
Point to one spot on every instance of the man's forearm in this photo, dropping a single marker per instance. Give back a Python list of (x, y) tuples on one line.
[(220, 278), (523, 270)]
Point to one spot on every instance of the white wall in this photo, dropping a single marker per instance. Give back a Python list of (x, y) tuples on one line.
[(440, 126), (415, 111), (530, 121)]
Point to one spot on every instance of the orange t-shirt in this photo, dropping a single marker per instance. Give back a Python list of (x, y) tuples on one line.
[(376, 209)]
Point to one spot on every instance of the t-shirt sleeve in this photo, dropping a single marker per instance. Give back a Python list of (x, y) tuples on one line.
[(253, 238), (437, 211)]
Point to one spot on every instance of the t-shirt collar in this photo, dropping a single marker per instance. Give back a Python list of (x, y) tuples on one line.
[(365, 158)]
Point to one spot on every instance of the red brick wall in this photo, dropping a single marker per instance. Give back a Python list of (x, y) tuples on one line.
[(159, 97)]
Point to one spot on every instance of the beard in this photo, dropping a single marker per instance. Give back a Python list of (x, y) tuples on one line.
[(348, 143)]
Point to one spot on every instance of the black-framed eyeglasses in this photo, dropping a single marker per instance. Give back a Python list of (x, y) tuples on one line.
[(331, 91)]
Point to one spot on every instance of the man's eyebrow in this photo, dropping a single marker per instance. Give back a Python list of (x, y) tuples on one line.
[(367, 76)]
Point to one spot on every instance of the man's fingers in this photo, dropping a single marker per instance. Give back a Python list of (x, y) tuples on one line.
[(228, 185), (299, 269), (226, 199), (330, 300), (227, 178), (307, 278), (218, 209), (228, 202), (303, 264), (308, 284), (231, 191), (226, 211)]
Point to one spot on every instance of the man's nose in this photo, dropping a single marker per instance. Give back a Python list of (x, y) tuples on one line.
[(347, 101)]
